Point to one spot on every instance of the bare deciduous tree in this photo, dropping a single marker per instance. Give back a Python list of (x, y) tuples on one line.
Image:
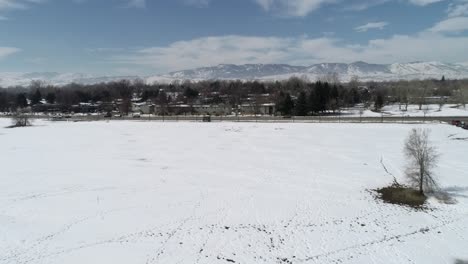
[(463, 96), (422, 158), (361, 112), (441, 102), (421, 93), (20, 119)]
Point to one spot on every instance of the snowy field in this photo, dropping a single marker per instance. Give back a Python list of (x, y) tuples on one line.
[(431, 110), (428, 110), (142, 192)]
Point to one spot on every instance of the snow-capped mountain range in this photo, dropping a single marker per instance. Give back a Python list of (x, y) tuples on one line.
[(262, 72), (54, 78), (364, 71)]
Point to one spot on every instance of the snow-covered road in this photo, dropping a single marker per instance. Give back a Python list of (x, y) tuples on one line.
[(145, 192)]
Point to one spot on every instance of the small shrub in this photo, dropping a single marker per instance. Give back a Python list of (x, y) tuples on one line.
[(401, 195), (20, 120)]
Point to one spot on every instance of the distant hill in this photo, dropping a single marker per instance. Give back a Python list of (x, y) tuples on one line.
[(364, 71), (263, 72)]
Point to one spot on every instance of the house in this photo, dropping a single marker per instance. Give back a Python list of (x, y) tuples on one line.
[(143, 107), (437, 99), (198, 109), (105, 107), (258, 109), (172, 109), (85, 108), (147, 109), (48, 108), (213, 109)]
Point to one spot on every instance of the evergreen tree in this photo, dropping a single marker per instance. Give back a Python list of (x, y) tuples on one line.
[(191, 93), (21, 100), (50, 98), (3, 102), (379, 101), (322, 91), (36, 97), (286, 104), (354, 96), (334, 102), (163, 100), (301, 105), (149, 95), (325, 96), (106, 96), (312, 103), (145, 96), (334, 94), (257, 88), (83, 96), (280, 102)]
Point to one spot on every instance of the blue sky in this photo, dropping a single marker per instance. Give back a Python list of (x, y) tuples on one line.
[(127, 37)]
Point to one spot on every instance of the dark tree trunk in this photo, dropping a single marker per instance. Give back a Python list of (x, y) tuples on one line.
[(421, 180)]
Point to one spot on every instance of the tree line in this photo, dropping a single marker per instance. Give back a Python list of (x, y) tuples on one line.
[(291, 97)]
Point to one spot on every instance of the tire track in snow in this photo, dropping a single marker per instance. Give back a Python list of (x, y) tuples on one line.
[(211, 232), (176, 230), (130, 237), (45, 240), (385, 239), (13, 200)]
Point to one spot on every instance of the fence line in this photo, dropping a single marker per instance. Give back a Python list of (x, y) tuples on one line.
[(262, 119)]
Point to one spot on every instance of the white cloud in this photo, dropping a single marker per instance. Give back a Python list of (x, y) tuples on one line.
[(460, 8), (24, 4), (453, 24), (209, 51), (359, 5), (424, 2), (371, 25), (294, 8), (265, 4), (102, 50), (235, 49), (364, 4), (137, 3), (298, 8), (197, 3), (11, 4), (6, 51), (302, 8), (18, 4)]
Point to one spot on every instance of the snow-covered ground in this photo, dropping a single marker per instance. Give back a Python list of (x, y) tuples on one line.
[(428, 110), (432, 110), (147, 192)]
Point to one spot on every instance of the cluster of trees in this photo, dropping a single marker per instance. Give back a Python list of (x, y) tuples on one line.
[(292, 97), (320, 97), (322, 94), (418, 92)]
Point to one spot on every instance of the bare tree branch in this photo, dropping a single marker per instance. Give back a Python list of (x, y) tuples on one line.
[(422, 159)]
